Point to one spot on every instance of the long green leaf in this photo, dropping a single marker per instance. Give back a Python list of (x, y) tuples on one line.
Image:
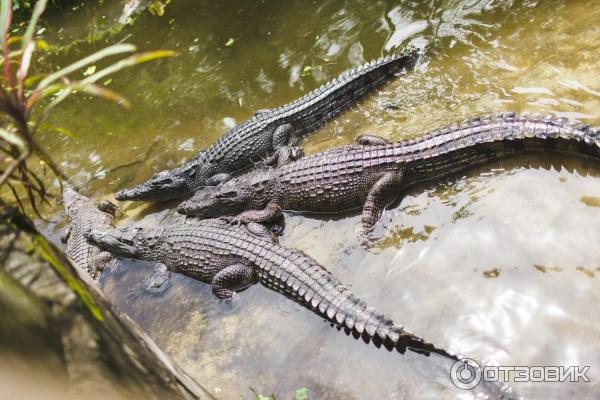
[(68, 88), (128, 62), (11, 138), (24, 68), (39, 8), (109, 51), (5, 16), (100, 91)]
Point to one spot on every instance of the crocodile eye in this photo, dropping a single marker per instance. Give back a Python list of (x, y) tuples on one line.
[(164, 181), (128, 235), (227, 195)]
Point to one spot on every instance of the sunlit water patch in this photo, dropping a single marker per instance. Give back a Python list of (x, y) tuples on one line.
[(501, 264)]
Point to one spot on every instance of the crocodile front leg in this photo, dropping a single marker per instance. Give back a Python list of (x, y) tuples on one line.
[(100, 262), (157, 282), (383, 192), (64, 238), (232, 278), (371, 140), (270, 213)]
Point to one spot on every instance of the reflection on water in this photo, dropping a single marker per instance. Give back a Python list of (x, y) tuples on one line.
[(500, 264)]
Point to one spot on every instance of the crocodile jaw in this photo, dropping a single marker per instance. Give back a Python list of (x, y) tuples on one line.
[(159, 188), (114, 241), (210, 207)]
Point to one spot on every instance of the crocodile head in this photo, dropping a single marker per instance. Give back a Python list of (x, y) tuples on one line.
[(228, 198), (128, 242), (165, 185)]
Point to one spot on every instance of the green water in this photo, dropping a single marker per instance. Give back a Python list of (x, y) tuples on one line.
[(502, 264)]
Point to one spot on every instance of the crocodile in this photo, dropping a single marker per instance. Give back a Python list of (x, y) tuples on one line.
[(232, 258), (373, 172), (270, 135), (82, 215)]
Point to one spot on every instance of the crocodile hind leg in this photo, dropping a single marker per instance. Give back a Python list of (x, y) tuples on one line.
[(285, 155), (371, 140), (283, 144), (232, 278), (383, 192), (100, 262)]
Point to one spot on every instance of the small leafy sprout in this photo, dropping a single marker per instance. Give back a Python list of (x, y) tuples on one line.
[(306, 71), (302, 394), (157, 7)]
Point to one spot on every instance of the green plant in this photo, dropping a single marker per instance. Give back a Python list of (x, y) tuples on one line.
[(26, 101), (301, 394)]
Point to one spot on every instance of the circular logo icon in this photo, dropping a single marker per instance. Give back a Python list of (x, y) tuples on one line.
[(465, 374)]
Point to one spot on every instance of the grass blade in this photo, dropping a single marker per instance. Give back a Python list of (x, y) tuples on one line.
[(100, 91), (39, 8), (5, 17), (109, 51), (68, 88), (128, 62), (24, 69), (11, 138)]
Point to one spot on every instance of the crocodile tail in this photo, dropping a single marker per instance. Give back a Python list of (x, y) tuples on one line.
[(385, 66), (308, 283)]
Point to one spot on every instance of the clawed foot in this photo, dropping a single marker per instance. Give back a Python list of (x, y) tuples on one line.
[(157, 283), (227, 296), (284, 155), (364, 237)]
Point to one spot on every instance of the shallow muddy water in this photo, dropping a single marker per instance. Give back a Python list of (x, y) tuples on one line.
[(501, 264)]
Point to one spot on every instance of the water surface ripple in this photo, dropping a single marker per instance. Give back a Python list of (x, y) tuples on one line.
[(501, 264)]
